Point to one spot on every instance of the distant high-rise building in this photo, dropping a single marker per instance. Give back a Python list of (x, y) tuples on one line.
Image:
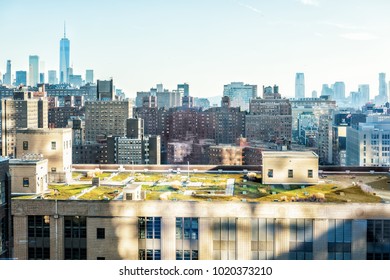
[(299, 85), (53, 77), (339, 91), (7, 75), (240, 94), (314, 94), (327, 91), (64, 59), (105, 90), (103, 118), (160, 88), (75, 80), (364, 91), (382, 97), (41, 78), (33, 70), (20, 112), (21, 78), (88, 76), (185, 88), (269, 120)]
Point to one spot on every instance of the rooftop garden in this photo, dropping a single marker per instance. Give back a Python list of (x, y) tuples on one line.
[(212, 187)]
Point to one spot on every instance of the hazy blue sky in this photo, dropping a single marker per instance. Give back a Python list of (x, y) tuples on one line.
[(206, 43)]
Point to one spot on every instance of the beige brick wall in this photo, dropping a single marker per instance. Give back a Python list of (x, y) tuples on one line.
[(120, 219), (35, 172)]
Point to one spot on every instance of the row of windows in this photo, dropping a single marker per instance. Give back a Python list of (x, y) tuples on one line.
[(290, 173)]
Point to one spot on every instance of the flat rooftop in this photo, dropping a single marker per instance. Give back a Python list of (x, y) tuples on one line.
[(242, 186), (289, 154)]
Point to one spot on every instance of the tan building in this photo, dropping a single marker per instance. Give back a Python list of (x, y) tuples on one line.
[(289, 167), (226, 155), (54, 144), (29, 175), (20, 112), (169, 230)]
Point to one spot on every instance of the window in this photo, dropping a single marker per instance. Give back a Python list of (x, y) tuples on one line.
[(38, 232), (149, 227), (149, 254), (301, 239), (25, 145), (270, 173), (339, 239), (75, 233), (53, 145), (53, 169), (26, 182), (310, 173), (290, 173), (378, 239), (100, 233), (187, 228), (187, 255)]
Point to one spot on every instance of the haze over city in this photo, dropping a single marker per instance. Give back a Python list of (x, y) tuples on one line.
[(204, 43)]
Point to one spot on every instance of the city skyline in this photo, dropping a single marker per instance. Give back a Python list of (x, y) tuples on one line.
[(206, 45)]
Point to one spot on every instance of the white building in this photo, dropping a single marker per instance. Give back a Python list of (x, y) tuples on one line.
[(240, 95), (369, 143)]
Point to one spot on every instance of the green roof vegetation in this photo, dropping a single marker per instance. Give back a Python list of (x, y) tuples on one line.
[(212, 186)]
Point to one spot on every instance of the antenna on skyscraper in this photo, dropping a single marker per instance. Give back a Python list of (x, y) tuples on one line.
[(64, 29)]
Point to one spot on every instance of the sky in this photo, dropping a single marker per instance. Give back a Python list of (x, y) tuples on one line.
[(205, 43)]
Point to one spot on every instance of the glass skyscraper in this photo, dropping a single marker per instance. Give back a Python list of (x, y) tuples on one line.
[(64, 59), (299, 85), (33, 70)]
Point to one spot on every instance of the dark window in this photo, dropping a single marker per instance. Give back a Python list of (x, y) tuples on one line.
[(187, 228), (38, 237), (100, 233), (270, 173), (53, 145), (26, 182), (25, 145), (75, 231), (100, 258), (310, 173), (290, 173), (149, 227)]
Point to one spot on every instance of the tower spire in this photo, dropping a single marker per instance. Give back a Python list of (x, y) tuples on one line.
[(64, 29)]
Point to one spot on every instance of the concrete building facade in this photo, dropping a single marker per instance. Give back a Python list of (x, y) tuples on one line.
[(55, 145), (21, 112), (133, 230), (5, 213), (289, 167), (29, 175)]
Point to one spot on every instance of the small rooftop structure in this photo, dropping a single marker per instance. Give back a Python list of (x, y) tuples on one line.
[(132, 192), (290, 167)]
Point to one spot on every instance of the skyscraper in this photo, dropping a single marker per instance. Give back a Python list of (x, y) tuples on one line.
[(21, 78), (185, 88), (7, 76), (64, 58), (105, 90), (300, 85), (339, 91), (240, 94), (88, 76), (383, 88), (53, 77), (33, 70)]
